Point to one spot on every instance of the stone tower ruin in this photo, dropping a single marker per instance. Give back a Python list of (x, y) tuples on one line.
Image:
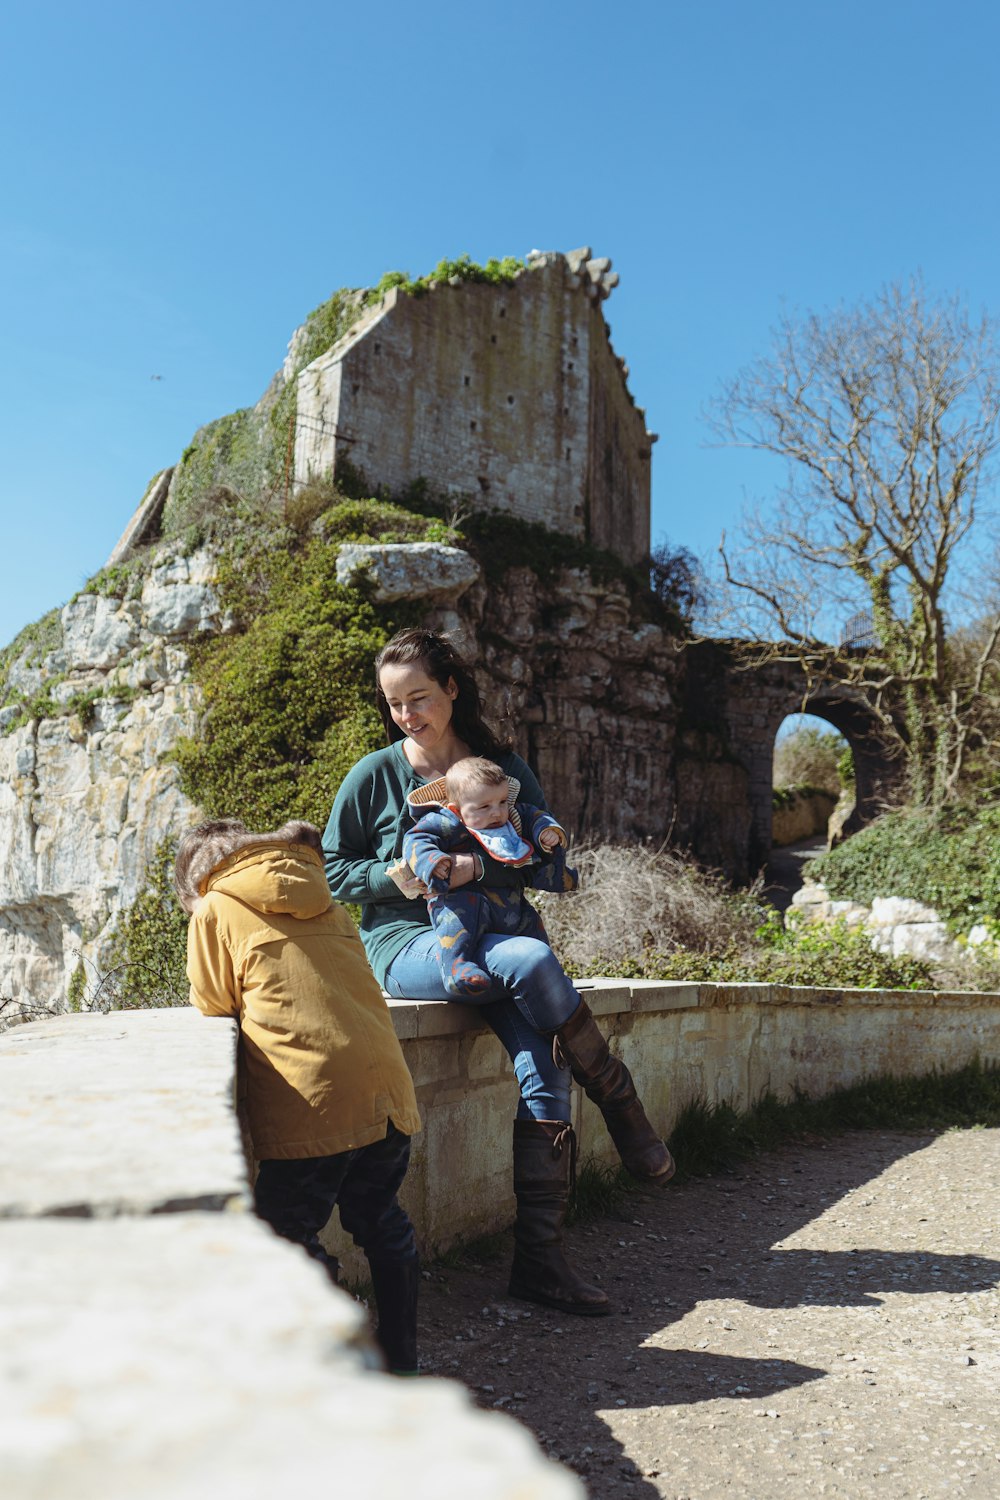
[(509, 396)]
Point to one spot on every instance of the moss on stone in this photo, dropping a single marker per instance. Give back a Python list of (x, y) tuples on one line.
[(230, 454), (447, 273), (289, 696), (32, 644)]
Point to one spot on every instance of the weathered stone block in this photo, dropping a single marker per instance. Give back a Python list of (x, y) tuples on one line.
[(179, 597), (409, 570), (155, 1113)]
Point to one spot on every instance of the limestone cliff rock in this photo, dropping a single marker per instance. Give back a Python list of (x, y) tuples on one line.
[(87, 795), (895, 924)]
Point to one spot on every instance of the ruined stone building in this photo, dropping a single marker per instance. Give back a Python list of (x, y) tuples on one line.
[(509, 395)]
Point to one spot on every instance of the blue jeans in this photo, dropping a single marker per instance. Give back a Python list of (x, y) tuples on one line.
[(530, 998)]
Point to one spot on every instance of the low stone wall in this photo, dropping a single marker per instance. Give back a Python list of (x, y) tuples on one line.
[(804, 814), (157, 1339), (682, 1042)]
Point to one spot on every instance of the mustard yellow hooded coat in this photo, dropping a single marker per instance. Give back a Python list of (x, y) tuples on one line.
[(323, 1070)]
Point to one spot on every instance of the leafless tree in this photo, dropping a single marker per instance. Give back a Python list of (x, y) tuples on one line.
[(887, 416)]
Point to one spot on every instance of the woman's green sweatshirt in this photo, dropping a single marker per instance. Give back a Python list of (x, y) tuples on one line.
[(364, 836)]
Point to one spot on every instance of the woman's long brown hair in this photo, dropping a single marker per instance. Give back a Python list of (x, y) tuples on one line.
[(439, 659)]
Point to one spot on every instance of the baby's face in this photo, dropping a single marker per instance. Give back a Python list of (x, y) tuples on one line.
[(484, 807)]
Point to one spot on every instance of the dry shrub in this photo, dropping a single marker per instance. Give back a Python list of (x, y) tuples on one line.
[(638, 897), (967, 969)]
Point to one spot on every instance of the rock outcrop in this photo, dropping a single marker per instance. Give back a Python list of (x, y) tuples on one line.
[(635, 735), (507, 395), (88, 794), (896, 925)]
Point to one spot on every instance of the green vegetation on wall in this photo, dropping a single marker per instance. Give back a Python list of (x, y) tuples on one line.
[(33, 642), (447, 273), (146, 964), (289, 696), (947, 860), (30, 647), (249, 452), (232, 453)]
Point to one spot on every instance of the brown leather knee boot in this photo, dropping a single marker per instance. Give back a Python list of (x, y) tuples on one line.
[(544, 1151), (581, 1046)]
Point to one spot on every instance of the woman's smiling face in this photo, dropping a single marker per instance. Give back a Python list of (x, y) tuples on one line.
[(419, 706)]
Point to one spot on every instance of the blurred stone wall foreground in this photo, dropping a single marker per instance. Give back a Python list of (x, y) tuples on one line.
[(157, 1339)]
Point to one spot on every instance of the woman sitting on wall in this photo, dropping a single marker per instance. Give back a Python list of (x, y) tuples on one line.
[(430, 706)]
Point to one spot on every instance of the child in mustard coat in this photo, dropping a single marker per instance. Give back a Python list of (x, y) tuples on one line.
[(329, 1100)]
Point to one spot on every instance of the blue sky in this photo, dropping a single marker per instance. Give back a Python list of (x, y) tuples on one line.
[(182, 184)]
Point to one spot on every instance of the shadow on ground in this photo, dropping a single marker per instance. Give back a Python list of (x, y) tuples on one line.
[(663, 1254)]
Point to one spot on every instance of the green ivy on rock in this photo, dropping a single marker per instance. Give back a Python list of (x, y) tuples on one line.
[(289, 696)]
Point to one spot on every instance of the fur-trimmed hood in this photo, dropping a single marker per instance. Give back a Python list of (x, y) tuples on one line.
[(271, 872), (323, 1071)]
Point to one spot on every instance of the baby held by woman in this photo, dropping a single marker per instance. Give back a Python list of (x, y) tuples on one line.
[(474, 811)]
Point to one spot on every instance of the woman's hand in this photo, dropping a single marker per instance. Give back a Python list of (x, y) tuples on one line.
[(463, 869), (408, 883)]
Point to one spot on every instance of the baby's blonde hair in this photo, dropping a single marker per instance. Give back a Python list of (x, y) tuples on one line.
[(473, 770), (206, 846)]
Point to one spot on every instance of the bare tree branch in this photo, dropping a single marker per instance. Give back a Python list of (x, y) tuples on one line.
[(887, 416)]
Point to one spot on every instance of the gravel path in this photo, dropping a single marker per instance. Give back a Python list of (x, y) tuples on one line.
[(826, 1321)]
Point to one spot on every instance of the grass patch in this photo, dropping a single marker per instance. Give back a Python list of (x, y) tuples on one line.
[(710, 1138), (600, 1192)]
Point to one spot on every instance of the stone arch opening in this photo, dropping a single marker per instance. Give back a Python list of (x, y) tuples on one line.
[(875, 774), (807, 777)]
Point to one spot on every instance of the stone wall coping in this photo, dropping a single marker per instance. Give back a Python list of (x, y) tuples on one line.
[(156, 1342), (420, 1019), (130, 1113)]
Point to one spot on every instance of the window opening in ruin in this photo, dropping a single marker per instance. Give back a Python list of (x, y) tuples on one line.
[(568, 452), (503, 312), (493, 338), (510, 400), (569, 367), (472, 426), (467, 380)]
